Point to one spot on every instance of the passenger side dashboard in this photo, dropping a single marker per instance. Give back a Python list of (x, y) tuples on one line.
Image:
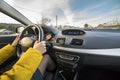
[(92, 47)]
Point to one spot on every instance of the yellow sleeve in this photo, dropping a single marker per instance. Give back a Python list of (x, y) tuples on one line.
[(24, 67), (6, 52)]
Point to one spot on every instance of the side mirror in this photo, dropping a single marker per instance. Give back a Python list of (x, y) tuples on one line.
[(19, 29)]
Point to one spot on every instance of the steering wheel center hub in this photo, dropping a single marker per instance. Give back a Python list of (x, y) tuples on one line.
[(26, 42)]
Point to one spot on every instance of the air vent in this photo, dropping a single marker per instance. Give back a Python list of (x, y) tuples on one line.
[(61, 41), (77, 42)]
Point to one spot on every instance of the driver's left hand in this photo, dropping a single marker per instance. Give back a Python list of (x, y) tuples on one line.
[(16, 40)]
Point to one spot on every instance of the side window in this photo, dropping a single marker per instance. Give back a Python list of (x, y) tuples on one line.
[(8, 25)]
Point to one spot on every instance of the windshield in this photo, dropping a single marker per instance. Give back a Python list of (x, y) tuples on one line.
[(90, 14)]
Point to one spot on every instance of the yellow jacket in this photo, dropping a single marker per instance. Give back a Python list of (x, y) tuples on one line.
[(24, 67)]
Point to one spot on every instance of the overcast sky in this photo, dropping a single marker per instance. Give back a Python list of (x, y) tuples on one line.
[(73, 12)]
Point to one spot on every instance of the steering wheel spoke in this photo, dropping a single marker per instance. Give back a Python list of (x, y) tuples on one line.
[(34, 37)]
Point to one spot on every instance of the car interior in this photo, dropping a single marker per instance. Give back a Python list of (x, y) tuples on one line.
[(79, 54)]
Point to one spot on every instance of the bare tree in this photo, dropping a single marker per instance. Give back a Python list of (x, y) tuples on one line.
[(86, 25)]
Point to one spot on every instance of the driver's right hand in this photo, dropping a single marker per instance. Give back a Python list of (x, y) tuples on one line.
[(40, 46)]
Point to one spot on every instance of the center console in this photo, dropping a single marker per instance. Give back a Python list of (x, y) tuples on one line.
[(67, 62), (67, 66)]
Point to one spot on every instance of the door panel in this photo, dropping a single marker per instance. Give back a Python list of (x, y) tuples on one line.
[(4, 40)]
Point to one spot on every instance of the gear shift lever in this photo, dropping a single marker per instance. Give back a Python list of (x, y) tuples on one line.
[(60, 72)]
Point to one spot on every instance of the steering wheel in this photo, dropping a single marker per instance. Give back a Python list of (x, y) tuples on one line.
[(27, 40)]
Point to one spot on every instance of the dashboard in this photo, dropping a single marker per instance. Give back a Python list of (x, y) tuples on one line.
[(84, 39), (88, 47)]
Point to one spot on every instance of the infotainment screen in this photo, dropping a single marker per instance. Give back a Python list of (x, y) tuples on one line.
[(73, 32)]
